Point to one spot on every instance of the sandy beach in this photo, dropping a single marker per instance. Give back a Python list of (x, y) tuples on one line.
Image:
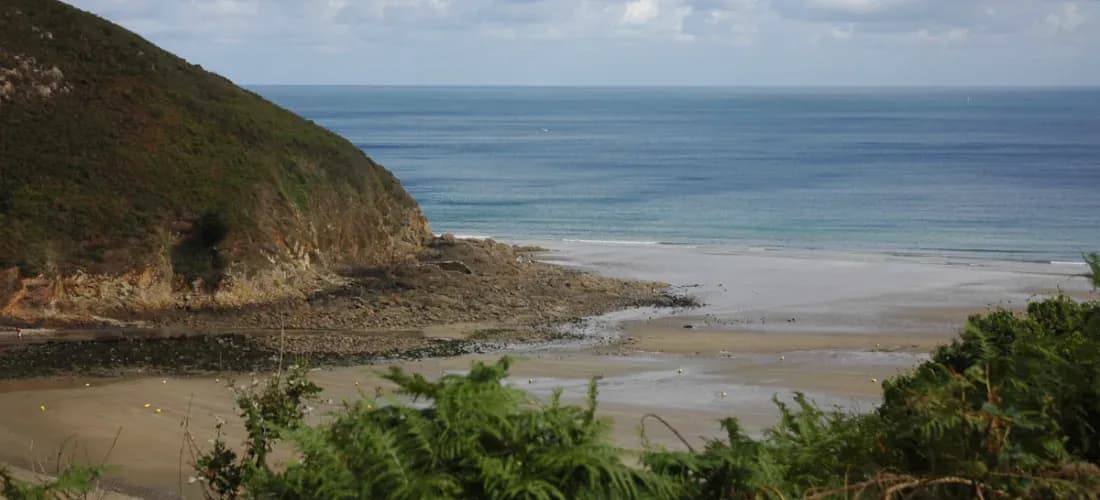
[(830, 325)]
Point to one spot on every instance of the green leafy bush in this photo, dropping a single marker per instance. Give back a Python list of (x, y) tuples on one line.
[(1093, 261), (1008, 410), (73, 482), (480, 439)]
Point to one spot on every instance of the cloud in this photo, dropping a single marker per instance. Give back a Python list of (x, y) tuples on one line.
[(410, 19), (1067, 18), (325, 21), (609, 34), (856, 7), (641, 11), (864, 11)]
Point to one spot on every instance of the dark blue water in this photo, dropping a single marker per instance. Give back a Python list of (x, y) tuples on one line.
[(991, 173)]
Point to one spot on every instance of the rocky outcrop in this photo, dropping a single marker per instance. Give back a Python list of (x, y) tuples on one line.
[(23, 78)]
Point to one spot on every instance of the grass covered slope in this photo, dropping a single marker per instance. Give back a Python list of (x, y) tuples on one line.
[(115, 154)]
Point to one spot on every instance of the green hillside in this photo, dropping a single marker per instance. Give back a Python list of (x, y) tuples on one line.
[(115, 153)]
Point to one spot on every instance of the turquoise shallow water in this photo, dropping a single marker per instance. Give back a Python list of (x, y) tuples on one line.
[(989, 173)]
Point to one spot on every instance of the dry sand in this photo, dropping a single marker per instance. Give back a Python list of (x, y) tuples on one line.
[(857, 321), (82, 421)]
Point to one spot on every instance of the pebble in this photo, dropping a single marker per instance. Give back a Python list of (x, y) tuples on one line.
[(495, 290)]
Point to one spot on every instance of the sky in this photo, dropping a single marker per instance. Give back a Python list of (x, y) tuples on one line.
[(626, 42)]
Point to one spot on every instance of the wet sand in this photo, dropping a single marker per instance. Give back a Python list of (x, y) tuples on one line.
[(667, 336), (831, 327), (686, 391)]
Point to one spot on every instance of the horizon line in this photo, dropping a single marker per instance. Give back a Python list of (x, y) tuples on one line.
[(689, 86)]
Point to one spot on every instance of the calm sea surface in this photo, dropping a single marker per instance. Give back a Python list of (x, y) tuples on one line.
[(1011, 174)]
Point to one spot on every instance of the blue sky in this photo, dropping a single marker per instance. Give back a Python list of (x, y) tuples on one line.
[(627, 42)]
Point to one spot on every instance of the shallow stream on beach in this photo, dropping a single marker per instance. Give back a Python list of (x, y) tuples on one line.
[(833, 326)]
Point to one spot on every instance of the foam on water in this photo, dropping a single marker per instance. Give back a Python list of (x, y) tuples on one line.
[(611, 242), (463, 236)]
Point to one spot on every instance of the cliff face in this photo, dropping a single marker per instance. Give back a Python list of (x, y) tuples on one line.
[(131, 179)]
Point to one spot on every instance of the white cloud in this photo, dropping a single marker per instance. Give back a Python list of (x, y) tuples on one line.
[(852, 6), (1067, 18), (949, 36), (228, 8), (641, 11), (605, 36)]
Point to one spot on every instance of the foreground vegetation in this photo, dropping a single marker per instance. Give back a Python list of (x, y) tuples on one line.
[(1092, 260), (1007, 410), (74, 482)]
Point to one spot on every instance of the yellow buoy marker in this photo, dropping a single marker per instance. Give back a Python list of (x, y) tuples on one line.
[(164, 381), (146, 405), (724, 394), (874, 380), (157, 410), (86, 384), (42, 408)]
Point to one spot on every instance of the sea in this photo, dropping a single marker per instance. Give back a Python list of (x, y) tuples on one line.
[(984, 173)]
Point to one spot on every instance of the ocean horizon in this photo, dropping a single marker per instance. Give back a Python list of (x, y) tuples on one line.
[(1006, 173)]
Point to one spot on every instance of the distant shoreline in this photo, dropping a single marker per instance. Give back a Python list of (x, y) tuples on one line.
[(956, 256), (958, 172), (761, 88)]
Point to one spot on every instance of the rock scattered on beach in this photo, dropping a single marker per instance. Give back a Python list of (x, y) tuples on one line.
[(493, 292)]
